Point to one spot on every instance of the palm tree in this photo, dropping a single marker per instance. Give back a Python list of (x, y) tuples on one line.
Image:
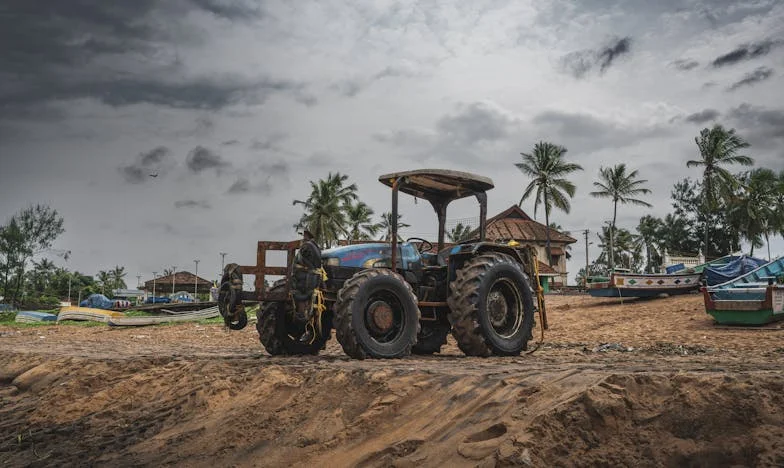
[(385, 226), (778, 224), (718, 147), (118, 277), (325, 215), (616, 184), (753, 207), (103, 279), (41, 275), (460, 233), (359, 218), (650, 231), (546, 167)]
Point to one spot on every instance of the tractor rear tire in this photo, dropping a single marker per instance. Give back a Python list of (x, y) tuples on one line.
[(280, 334), (431, 338), (492, 308), (376, 315)]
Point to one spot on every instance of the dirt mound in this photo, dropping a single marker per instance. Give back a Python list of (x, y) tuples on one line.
[(247, 412), (666, 421), (629, 384)]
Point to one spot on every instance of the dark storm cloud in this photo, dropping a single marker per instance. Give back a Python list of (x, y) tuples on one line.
[(590, 133), (473, 123), (234, 10), (611, 52), (276, 168), (241, 185), (766, 122), (55, 50), (134, 174), (705, 115), (203, 204), (201, 159), (148, 165), (746, 52), (685, 64), (579, 63), (758, 75), (154, 156)]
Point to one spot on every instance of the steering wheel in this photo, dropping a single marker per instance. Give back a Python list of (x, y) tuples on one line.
[(424, 245)]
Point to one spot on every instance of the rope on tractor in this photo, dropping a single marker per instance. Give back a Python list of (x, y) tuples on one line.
[(318, 305), (539, 301)]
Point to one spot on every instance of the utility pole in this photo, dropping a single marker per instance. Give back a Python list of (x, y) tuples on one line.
[(138, 281), (154, 275), (585, 274), (220, 274), (70, 275), (196, 279), (174, 275)]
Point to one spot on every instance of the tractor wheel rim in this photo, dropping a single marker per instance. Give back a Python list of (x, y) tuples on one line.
[(382, 317), (504, 308)]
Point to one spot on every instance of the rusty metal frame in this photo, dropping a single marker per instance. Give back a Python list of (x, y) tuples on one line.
[(261, 270)]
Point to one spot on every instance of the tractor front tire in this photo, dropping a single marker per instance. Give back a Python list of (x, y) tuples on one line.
[(280, 334), (376, 315), (492, 308)]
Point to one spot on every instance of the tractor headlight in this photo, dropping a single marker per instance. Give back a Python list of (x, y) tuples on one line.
[(332, 261)]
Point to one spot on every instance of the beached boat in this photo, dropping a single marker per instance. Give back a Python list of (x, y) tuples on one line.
[(736, 267), (752, 299), (756, 306), (622, 284)]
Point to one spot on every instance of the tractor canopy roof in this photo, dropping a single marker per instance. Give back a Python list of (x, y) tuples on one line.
[(438, 184)]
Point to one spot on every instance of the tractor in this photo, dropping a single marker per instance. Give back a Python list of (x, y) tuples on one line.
[(391, 299)]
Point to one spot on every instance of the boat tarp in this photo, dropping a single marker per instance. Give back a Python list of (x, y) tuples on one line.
[(28, 316), (97, 301), (738, 267), (87, 313)]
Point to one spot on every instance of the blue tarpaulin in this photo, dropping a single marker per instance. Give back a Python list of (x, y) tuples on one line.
[(675, 268), (738, 267), (97, 301)]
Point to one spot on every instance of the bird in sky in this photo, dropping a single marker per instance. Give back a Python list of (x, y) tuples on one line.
[(154, 174)]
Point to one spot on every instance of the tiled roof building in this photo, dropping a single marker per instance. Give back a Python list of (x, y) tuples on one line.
[(514, 224)]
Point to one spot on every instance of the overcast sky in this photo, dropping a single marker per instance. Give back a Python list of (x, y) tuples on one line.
[(236, 105)]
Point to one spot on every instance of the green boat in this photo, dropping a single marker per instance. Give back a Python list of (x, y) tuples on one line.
[(765, 306)]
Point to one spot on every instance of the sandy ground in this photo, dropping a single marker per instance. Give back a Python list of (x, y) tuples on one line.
[(671, 389)]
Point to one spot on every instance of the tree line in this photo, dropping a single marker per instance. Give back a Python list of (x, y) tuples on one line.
[(333, 213), (28, 277), (711, 214)]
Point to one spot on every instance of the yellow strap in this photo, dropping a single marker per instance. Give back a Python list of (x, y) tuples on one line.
[(319, 306)]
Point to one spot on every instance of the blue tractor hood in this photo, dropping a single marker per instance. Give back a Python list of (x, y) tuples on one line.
[(358, 255), (366, 255)]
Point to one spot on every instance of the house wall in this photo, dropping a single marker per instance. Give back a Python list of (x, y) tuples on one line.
[(560, 266)]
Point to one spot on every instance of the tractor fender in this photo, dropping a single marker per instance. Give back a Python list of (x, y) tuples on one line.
[(461, 253)]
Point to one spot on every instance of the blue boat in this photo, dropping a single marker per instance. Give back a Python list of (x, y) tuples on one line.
[(750, 286), (752, 299), (736, 267)]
